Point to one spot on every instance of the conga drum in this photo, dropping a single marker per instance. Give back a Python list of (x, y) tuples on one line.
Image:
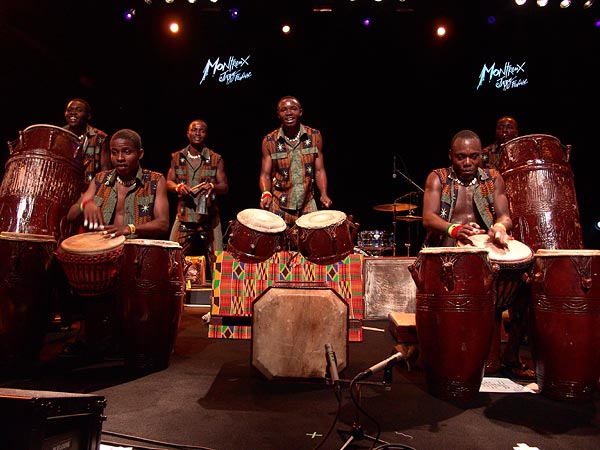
[(256, 235), (565, 322), (510, 266), (25, 304), (324, 237), (91, 262), (150, 296), (454, 318), (43, 178), (540, 189)]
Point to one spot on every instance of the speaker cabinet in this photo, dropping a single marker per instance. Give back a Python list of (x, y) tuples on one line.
[(291, 323), (389, 286), (44, 420)]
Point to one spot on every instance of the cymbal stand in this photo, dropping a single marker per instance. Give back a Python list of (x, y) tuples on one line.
[(394, 227)]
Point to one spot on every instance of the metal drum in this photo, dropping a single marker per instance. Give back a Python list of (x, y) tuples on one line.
[(541, 192), (565, 323), (454, 318), (43, 178)]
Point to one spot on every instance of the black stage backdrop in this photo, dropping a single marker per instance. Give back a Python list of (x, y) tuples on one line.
[(391, 89)]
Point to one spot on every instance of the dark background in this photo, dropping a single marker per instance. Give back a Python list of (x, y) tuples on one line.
[(390, 89)]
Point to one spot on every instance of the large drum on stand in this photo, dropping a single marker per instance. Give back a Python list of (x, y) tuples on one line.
[(565, 322), (43, 178), (540, 189), (256, 235), (454, 318), (150, 296), (25, 304)]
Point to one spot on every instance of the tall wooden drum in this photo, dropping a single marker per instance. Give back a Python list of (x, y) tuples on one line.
[(565, 322), (454, 318)]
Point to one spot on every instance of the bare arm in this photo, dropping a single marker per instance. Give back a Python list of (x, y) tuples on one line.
[(503, 223), (264, 181), (321, 175)]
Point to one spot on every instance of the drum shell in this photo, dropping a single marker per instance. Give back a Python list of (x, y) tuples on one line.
[(454, 319), (540, 188), (565, 323), (25, 298), (43, 178), (252, 246), (150, 296), (327, 245)]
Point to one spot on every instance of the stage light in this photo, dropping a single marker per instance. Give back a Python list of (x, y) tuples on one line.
[(129, 14), (441, 31), (234, 13), (542, 3), (565, 4), (366, 22), (491, 20), (192, 1), (597, 225), (169, 1), (520, 2), (286, 29), (148, 2), (174, 27), (597, 23), (587, 4)]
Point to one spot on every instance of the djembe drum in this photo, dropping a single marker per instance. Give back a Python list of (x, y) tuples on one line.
[(324, 237), (565, 322), (25, 305), (150, 297), (43, 178), (454, 318), (510, 266), (256, 235)]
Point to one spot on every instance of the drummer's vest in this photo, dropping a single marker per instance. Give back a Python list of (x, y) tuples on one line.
[(91, 154), (184, 173), (139, 202), (280, 172), (483, 198)]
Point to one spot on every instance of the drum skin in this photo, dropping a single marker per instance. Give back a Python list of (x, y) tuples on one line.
[(565, 323), (454, 318), (150, 296), (540, 189), (43, 178), (25, 305)]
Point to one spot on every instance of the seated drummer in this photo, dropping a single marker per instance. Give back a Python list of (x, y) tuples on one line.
[(464, 200), (127, 200)]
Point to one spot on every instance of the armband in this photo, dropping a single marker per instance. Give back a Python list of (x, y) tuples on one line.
[(501, 225), (131, 228), (82, 205)]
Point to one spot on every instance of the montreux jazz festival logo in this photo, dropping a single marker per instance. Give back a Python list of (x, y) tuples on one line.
[(229, 71), (505, 78)]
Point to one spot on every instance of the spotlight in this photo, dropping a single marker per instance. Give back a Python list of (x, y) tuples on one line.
[(565, 4), (520, 2), (191, 1), (491, 20), (234, 13), (542, 3), (366, 22), (587, 4), (148, 2), (169, 1), (286, 29), (597, 23), (129, 14)]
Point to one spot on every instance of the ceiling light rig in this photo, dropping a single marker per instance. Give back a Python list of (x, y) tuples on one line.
[(585, 4)]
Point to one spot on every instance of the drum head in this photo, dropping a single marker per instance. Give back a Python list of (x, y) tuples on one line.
[(13, 236), (321, 219), (51, 127), (261, 220), (91, 243), (458, 250), (153, 243), (515, 252)]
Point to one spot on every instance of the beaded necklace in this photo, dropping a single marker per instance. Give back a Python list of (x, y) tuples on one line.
[(125, 183)]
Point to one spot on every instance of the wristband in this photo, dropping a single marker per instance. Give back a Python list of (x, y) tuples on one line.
[(266, 194), (83, 203), (212, 186), (131, 228), (453, 229), (501, 225), (178, 187)]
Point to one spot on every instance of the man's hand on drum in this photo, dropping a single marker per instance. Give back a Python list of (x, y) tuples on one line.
[(112, 231), (326, 201), (465, 231), (92, 216), (498, 235)]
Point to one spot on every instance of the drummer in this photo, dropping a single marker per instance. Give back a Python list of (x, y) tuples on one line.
[(292, 163), (464, 200), (506, 129)]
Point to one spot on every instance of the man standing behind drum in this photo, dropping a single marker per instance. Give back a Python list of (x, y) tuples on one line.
[(96, 154), (506, 129), (197, 175), (292, 163)]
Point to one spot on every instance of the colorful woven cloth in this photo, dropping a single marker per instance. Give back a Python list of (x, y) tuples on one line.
[(237, 284)]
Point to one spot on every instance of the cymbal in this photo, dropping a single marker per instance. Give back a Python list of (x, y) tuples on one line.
[(409, 218), (397, 207)]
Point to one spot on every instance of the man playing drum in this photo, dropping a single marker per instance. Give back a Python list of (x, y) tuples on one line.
[(292, 163), (506, 129)]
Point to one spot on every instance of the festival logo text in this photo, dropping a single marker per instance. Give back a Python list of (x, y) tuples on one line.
[(227, 72), (505, 78)]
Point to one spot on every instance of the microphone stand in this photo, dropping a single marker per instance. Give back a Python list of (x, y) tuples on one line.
[(407, 178)]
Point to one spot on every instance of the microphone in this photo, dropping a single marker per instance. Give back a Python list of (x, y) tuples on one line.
[(335, 377), (380, 366), (394, 174)]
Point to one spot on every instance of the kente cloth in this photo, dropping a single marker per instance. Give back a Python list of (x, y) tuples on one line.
[(237, 284)]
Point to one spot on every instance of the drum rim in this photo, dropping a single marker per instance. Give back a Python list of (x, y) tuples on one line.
[(46, 125), (454, 250), (281, 225), (303, 218), (13, 236), (566, 252), (112, 243), (153, 243)]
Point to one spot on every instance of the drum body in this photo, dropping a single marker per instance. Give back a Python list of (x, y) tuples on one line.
[(541, 192), (43, 178), (324, 237), (454, 318), (510, 266), (25, 302), (150, 296), (256, 235), (375, 240), (91, 262), (565, 322)]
